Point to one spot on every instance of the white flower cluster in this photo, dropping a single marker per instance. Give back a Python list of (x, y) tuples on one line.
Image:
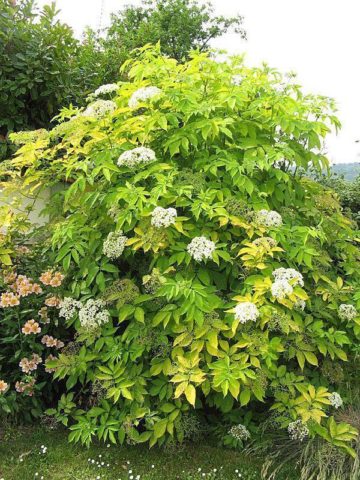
[(297, 430), (92, 314), (114, 244), (99, 109), (239, 432), (285, 280), (237, 79), (281, 288), (290, 275), (106, 89), (68, 307), (268, 218), (200, 248), (246, 311), (142, 95), (347, 312), (136, 156), (336, 400), (163, 217)]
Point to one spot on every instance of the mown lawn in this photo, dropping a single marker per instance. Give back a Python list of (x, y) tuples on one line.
[(21, 458)]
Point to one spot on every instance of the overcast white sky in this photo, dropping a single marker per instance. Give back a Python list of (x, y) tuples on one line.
[(319, 39)]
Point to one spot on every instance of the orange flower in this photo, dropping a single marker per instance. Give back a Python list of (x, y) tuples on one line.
[(3, 386), (31, 327)]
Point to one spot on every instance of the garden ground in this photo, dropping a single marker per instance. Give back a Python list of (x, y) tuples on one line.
[(23, 457)]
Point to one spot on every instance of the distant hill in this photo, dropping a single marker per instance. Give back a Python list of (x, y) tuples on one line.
[(349, 170)]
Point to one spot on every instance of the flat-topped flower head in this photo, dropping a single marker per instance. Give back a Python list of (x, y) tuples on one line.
[(268, 218), (336, 400), (201, 248), (99, 109), (290, 275), (347, 312), (246, 311), (114, 245), (106, 89), (163, 217), (142, 95), (298, 430), (68, 307), (239, 432), (281, 288), (136, 156), (93, 314)]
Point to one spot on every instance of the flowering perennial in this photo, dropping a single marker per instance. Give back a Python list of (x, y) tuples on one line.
[(136, 156), (142, 95), (28, 365), (336, 400), (52, 301), (297, 430), (99, 109), (163, 217), (106, 89), (200, 248), (239, 432), (50, 341), (3, 386), (92, 314), (246, 311), (347, 312), (53, 279), (268, 218), (31, 327), (9, 299), (114, 244), (26, 387), (68, 307)]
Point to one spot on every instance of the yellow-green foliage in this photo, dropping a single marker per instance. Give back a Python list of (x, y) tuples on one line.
[(229, 142)]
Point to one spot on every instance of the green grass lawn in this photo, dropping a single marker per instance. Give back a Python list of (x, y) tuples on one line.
[(21, 458)]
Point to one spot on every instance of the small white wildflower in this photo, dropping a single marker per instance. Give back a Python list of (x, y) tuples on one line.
[(92, 314), (336, 400), (246, 311), (268, 218), (297, 430), (142, 95), (114, 245), (68, 307), (281, 288), (136, 156), (200, 248), (347, 312), (99, 109), (289, 275), (163, 217), (239, 432), (106, 89)]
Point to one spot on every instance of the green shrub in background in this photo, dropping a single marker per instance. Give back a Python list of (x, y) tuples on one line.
[(206, 280), (44, 67)]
